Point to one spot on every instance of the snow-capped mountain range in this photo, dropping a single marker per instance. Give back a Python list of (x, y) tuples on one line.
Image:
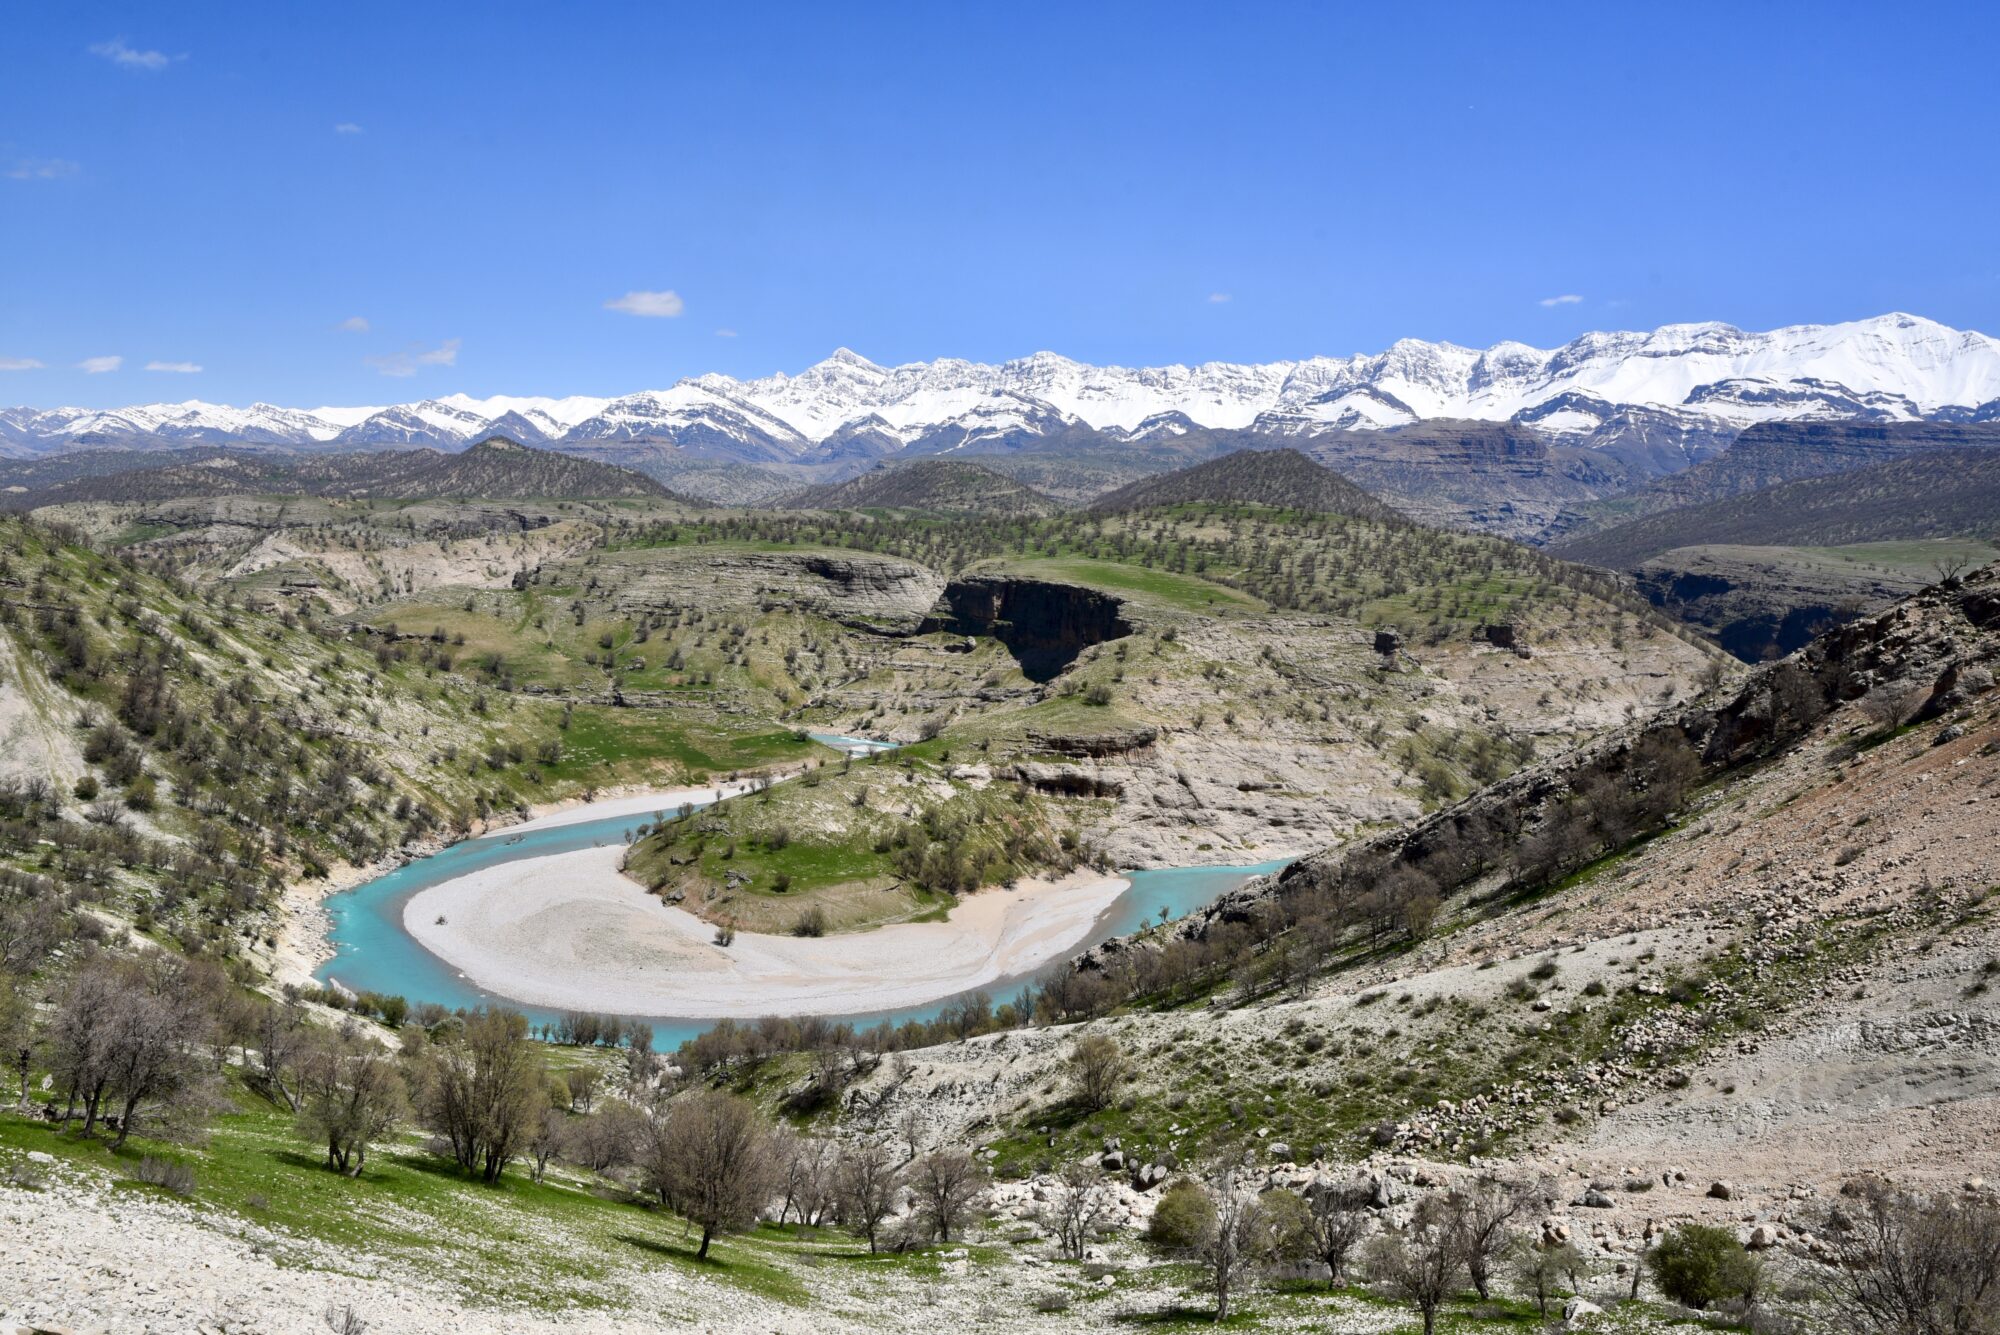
[(1704, 381)]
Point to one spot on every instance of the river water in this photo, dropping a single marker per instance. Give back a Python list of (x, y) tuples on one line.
[(372, 952)]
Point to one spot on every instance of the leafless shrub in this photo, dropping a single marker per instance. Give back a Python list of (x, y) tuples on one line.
[(1916, 1265), (170, 1174), (1096, 1066), (342, 1319), (1076, 1208)]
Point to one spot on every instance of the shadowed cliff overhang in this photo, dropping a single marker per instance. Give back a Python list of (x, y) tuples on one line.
[(1042, 624)]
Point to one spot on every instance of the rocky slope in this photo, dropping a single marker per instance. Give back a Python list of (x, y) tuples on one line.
[(1789, 981)]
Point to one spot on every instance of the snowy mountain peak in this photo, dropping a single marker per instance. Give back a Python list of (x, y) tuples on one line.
[(1708, 379)]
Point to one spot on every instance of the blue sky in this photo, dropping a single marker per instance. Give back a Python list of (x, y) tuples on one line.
[(224, 186)]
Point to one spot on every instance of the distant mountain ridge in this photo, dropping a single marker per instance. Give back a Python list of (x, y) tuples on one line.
[(940, 486), (1283, 479), (1771, 454), (494, 469), (1950, 493), (1669, 396)]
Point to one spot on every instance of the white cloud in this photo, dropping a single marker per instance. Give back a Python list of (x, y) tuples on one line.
[(99, 365), (42, 169), (118, 53), (353, 324), (1218, 298), (725, 333), (178, 368), (410, 359), (655, 305), (1566, 299), (19, 364), (347, 127)]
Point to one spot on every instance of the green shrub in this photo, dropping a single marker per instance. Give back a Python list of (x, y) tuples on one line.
[(1182, 1216), (1699, 1265)]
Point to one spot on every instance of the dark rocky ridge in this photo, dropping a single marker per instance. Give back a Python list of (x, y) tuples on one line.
[(1044, 625), (1943, 493), (1768, 454)]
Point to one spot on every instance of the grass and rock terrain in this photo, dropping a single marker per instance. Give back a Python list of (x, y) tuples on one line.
[(1602, 930)]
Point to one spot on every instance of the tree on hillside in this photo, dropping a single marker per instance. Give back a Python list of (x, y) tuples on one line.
[(806, 1167), (17, 1032), (1699, 1265), (1423, 1263), (947, 1182), (1229, 1248), (481, 1089), (79, 1040), (1540, 1267), (1077, 1206), (1481, 1217), (124, 1042), (866, 1184), (1339, 1220), (1096, 1065), (715, 1162), (280, 1032), (1916, 1265), (350, 1095)]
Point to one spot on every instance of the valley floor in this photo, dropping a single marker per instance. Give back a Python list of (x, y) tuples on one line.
[(571, 932)]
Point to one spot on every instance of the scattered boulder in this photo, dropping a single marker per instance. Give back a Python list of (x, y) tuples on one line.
[(1577, 1310), (1384, 1191), (1721, 1191)]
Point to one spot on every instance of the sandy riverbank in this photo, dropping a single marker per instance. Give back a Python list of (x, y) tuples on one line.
[(571, 932), (302, 944)]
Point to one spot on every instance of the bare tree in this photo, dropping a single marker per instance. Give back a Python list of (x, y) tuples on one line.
[(866, 1185), (1539, 1268), (1481, 1217), (581, 1083), (80, 1040), (1096, 1066), (17, 1032), (1949, 569), (550, 1138), (350, 1095), (342, 1319), (947, 1183), (614, 1135), (914, 1130), (806, 1168), (1423, 1263), (1914, 1265), (482, 1089), (279, 1031), (125, 1033), (1228, 1248), (1339, 1220), (1077, 1206), (715, 1161)]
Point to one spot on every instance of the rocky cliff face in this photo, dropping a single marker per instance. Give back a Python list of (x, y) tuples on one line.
[(1045, 626), (1929, 654), (855, 588)]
